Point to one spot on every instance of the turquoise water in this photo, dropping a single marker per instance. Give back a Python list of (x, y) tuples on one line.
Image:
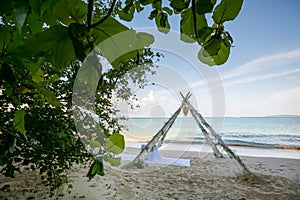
[(278, 132)]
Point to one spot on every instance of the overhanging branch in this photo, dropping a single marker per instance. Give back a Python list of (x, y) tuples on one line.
[(195, 22), (106, 16), (194, 8), (90, 13)]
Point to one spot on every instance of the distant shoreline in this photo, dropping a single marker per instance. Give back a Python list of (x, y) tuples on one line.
[(283, 116), (287, 147)]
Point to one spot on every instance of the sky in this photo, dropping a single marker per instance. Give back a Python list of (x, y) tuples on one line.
[(260, 78)]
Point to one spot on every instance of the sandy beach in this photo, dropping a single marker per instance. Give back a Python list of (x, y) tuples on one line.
[(206, 178)]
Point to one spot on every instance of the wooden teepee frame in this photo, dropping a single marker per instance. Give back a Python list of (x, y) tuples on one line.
[(212, 138)]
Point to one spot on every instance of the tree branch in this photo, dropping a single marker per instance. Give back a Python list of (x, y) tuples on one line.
[(195, 22), (195, 26), (106, 16), (90, 13)]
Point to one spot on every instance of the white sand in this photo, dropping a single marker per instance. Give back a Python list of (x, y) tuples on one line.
[(207, 178)]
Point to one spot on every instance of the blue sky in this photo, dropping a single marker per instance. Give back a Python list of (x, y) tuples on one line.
[(260, 78)]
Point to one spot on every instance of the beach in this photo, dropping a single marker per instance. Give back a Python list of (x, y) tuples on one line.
[(207, 177)]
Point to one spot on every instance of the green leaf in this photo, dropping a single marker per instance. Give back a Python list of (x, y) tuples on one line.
[(31, 66), (213, 47), (51, 98), (126, 13), (117, 49), (5, 37), (35, 24), (95, 144), (7, 73), (20, 9), (223, 54), (156, 4), (179, 5), (16, 43), (168, 10), (162, 22), (204, 34), (129, 2), (63, 53), (228, 39), (35, 6), (124, 58), (70, 11), (110, 38), (144, 39), (6, 7), (54, 41), (153, 14), (218, 59), (138, 6), (19, 122), (187, 26), (113, 161), (38, 76), (96, 168), (115, 143), (49, 17), (77, 33), (205, 6), (145, 2), (46, 40), (227, 10), (52, 79), (78, 48), (107, 29), (90, 73)]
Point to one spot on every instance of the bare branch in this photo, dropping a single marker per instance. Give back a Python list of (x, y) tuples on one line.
[(195, 22), (90, 12), (106, 16)]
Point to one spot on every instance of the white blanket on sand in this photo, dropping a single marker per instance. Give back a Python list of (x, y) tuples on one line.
[(154, 157)]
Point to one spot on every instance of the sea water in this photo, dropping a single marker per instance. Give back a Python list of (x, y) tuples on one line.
[(240, 133)]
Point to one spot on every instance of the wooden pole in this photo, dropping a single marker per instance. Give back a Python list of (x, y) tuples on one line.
[(216, 151), (144, 152), (209, 140), (139, 159), (231, 154)]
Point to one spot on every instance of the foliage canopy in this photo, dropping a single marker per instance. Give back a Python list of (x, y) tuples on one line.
[(43, 47)]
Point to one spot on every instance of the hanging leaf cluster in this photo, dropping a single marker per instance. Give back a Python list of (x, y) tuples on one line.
[(215, 42)]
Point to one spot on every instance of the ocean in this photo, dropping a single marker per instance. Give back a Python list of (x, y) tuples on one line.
[(248, 132)]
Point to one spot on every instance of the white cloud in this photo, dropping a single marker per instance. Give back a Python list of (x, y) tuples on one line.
[(263, 63), (150, 99), (287, 96), (256, 65), (150, 103), (291, 78), (262, 77), (281, 102)]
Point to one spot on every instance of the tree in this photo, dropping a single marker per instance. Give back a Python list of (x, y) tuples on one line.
[(47, 47)]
